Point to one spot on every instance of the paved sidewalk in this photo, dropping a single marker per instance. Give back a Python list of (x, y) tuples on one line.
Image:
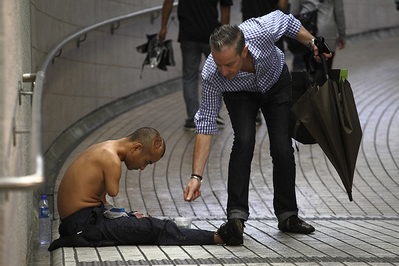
[(362, 232)]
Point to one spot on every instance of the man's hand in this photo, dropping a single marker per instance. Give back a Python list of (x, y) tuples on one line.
[(139, 215), (316, 54), (162, 34), (192, 190), (340, 43), (305, 37)]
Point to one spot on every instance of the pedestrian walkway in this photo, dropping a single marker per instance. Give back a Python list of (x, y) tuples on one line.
[(362, 232)]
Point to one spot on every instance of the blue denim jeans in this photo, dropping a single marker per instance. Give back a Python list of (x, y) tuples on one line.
[(191, 56), (242, 107)]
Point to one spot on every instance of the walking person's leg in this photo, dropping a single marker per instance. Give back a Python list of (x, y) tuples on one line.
[(191, 57)]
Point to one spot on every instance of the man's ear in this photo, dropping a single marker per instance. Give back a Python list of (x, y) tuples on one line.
[(158, 142), (137, 146), (244, 52)]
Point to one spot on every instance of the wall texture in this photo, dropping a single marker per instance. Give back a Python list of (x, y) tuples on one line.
[(366, 15), (16, 212), (104, 68)]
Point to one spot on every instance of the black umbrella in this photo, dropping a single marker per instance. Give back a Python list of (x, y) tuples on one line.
[(301, 81), (329, 114)]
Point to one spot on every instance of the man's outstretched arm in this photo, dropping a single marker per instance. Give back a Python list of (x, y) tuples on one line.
[(202, 147)]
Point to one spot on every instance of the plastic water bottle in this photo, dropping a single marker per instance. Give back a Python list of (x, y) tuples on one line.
[(44, 221)]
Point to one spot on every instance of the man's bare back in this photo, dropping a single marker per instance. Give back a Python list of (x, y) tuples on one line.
[(97, 171), (83, 184)]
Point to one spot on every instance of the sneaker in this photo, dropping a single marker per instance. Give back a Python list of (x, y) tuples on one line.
[(220, 120), (232, 232), (295, 225), (190, 125)]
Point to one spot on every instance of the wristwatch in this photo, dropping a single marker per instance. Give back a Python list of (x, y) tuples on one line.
[(310, 44)]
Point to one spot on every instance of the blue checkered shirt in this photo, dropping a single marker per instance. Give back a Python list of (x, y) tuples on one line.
[(260, 37)]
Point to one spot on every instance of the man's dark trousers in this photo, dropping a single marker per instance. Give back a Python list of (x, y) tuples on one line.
[(243, 107)]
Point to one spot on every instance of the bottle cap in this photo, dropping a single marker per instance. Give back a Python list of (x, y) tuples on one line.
[(44, 197)]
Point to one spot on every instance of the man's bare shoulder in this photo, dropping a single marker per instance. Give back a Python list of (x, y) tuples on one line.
[(102, 153)]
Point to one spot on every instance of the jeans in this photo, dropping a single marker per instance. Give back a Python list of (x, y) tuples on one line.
[(93, 226), (242, 107), (191, 56)]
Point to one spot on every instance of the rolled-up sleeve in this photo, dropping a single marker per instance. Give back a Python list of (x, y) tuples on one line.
[(277, 24), (205, 118), (293, 26)]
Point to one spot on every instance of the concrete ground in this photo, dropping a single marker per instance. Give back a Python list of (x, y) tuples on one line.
[(362, 232)]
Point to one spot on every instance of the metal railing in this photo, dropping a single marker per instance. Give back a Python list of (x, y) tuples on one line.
[(36, 152)]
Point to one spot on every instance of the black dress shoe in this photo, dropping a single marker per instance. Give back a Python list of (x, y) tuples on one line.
[(232, 232), (295, 225)]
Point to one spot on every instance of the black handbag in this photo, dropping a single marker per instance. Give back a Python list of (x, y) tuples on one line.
[(159, 54), (309, 22)]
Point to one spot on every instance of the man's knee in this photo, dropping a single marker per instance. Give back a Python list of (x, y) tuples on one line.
[(244, 142)]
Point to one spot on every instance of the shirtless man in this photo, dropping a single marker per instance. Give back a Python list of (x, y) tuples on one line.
[(95, 173)]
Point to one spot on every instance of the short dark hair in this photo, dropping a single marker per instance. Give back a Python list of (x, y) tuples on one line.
[(146, 136), (227, 35)]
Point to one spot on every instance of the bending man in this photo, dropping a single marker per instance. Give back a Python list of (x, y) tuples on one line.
[(249, 71)]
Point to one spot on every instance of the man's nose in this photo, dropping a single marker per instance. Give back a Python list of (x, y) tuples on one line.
[(224, 71), (143, 167)]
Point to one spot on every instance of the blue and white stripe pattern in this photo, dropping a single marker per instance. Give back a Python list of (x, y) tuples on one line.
[(260, 37)]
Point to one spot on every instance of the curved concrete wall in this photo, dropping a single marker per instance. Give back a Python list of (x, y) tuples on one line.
[(104, 68)]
